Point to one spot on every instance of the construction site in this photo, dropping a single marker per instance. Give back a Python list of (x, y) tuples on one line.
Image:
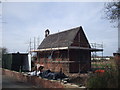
[(68, 52)]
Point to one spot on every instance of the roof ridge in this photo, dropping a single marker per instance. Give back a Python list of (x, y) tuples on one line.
[(65, 30)]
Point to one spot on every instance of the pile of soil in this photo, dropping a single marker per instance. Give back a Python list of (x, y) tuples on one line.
[(78, 79)]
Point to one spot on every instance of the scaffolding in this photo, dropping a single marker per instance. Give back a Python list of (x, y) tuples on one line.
[(98, 49), (55, 46), (49, 52)]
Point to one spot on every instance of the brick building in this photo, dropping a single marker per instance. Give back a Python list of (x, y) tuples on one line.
[(68, 50)]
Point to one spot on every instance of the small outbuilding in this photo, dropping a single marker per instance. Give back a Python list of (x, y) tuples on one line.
[(68, 51), (16, 61)]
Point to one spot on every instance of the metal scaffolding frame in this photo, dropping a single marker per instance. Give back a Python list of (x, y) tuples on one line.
[(96, 46)]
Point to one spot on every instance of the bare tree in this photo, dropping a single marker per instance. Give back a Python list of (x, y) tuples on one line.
[(112, 11)]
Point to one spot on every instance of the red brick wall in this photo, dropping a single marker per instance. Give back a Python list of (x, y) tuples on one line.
[(55, 65)]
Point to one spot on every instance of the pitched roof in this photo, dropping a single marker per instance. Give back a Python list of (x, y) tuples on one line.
[(61, 39)]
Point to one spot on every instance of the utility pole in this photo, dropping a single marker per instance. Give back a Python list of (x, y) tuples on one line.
[(30, 46), (29, 55), (38, 40), (118, 34), (34, 44)]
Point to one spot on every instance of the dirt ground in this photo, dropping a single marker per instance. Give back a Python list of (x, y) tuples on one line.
[(78, 79)]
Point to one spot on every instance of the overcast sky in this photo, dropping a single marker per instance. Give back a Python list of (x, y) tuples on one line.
[(25, 20)]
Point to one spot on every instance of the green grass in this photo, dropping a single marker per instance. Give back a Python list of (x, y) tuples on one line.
[(102, 64)]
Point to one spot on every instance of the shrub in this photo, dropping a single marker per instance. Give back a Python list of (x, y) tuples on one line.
[(107, 78)]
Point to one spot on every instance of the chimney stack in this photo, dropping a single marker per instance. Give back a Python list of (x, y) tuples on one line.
[(47, 32)]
